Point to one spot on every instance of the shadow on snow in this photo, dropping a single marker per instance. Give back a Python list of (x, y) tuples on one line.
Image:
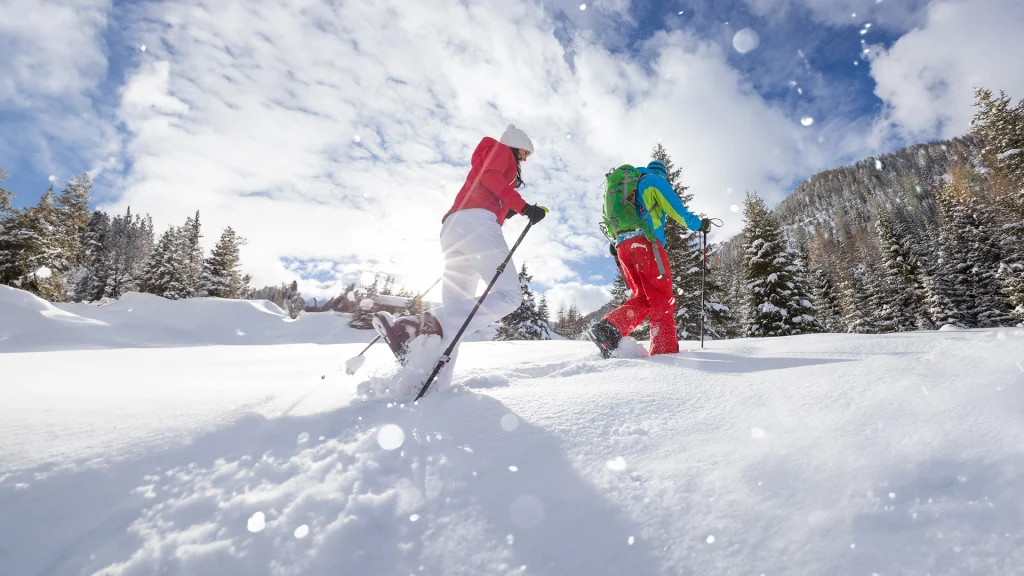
[(446, 501)]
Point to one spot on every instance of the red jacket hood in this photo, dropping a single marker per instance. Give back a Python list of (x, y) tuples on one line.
[(484, 148)]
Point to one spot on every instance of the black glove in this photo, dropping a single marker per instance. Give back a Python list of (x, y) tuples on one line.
[(613, 250), (510, 213), (705, 225), (534, 213)]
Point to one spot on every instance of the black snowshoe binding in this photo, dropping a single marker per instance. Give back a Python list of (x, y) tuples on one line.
[(606, 336), (398, 332)]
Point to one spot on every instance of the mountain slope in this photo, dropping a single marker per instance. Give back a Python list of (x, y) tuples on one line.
[(848, 196)]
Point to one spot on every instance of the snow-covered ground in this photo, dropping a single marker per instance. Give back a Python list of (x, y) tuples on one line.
[(826, 454)]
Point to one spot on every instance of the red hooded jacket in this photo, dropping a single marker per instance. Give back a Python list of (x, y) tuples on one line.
[(491, 182)]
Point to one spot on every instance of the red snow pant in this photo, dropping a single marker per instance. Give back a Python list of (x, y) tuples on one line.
[(651, 295)]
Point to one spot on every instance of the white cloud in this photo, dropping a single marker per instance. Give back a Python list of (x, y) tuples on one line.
[(927, 77), (146, 93), (251, 117), (588, 297), (50, 48), (53, 61)]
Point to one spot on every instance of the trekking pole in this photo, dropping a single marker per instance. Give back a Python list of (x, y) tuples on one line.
[(703, 269), (354, 363), (447, 353)]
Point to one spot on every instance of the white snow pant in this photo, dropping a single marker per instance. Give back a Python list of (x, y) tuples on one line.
[(473, 249)]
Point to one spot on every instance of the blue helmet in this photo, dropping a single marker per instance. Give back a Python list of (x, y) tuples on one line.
[(659, 167)]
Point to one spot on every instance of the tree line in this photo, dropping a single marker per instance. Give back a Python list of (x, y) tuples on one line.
[(63, 252)]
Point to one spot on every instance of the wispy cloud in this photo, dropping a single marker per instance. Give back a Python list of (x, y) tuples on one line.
[(53, 60), (51, 50)]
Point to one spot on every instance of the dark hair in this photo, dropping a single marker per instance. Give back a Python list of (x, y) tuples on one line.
[(519, 169)]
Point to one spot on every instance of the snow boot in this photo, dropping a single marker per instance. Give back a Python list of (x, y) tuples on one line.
[(398, 332), (606, 336)]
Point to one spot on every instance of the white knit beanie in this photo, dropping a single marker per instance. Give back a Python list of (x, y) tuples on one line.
[(515, 138)]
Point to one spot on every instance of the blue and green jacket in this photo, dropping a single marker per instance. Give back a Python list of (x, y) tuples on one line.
[(658, 201)]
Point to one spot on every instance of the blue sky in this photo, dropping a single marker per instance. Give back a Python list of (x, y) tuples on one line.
[(334, 136)]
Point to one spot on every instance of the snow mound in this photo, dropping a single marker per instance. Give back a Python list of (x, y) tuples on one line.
[(488, 380), (629, 347), (950, 328), (30, 324)]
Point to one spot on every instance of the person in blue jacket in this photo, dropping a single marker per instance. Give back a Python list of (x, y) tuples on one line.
[(644, 266)]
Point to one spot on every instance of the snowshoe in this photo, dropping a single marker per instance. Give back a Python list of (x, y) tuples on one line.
[(398, 332), (605, 336)]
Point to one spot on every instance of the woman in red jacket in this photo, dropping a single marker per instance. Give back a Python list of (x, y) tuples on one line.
[(474, 246)]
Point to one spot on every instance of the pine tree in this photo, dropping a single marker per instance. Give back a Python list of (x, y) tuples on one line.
[(5, 198), (620, 292), (365, 305), (904, 296), (1000, 126), (826, 301), (522, 323), (288, 298), (719, 322), (685, 260), (881, 298), (125, 252), (194, 260), (1011, 276), (859, 315), (727, 265), (543, 318), (779, 302), (571, 323), (222, 277), (73, 215), (31, 254), (939, 306), (293, 302), (166, 270), (1011, 271), (86, 285), (968, 244)]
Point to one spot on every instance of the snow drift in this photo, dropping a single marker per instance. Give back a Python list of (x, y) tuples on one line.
[(28, 323)]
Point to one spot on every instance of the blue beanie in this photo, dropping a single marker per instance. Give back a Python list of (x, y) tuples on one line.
[(659, 167)]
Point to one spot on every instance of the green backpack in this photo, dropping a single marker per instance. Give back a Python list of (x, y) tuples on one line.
[(621, 211)]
